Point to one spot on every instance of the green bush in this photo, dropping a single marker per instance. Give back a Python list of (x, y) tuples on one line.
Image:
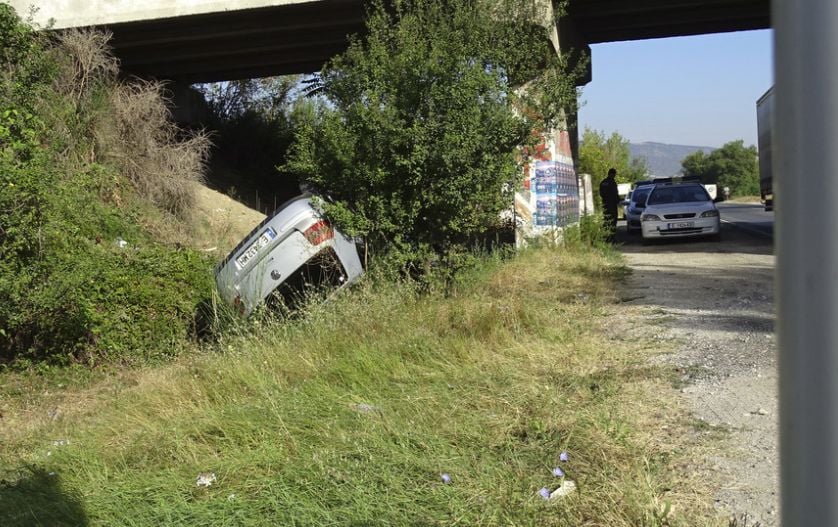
[(83, 281), (590, 232), (419, 148), (82, 275), (106, 303)]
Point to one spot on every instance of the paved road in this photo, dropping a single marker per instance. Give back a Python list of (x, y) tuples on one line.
[(750, 217)]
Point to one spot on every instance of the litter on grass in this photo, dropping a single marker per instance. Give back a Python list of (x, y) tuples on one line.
[(365, 408), (567, 487), (561, 491), (205, 479), (544, 492)]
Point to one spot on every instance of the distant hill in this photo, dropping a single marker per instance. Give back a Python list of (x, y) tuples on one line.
[(662, 159)]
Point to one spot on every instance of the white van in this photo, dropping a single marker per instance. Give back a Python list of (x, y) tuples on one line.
[(293, 250)]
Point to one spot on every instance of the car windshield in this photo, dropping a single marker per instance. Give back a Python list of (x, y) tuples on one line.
[(677, 194), (639, 196)]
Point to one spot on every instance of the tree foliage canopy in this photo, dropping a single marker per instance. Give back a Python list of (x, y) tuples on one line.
[(733, 165), (597, 154), (417, 147), (253, 122)]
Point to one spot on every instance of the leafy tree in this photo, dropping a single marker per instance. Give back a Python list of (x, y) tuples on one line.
[(733, 165), (597, 154), (269, 96), (417, 147), (252, 123), (695, 164)]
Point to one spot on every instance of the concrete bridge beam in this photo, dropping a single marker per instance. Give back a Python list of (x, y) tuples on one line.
[(176, 38), (63, 14), (209, 40)]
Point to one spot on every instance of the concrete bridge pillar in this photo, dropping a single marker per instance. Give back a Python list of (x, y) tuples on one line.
[(549, 197), (569, 42), (187, 105)]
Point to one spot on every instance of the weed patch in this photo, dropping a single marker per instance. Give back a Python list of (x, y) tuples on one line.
[(385, 407)]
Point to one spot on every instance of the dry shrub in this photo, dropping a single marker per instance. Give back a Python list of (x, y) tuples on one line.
[(90, 61), (130, 125), (162, 160)]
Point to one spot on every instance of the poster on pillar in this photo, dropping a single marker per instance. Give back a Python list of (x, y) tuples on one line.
[(556, 196), (567, 184), (546, 205)]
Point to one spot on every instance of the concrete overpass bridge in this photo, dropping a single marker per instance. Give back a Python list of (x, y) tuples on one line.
[(211, 40)]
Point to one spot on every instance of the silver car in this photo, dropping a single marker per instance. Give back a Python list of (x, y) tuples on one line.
[(635, 204), (678, 209), (294, 249)]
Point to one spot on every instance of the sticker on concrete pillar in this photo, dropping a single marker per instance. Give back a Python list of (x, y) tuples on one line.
[(546, 181)]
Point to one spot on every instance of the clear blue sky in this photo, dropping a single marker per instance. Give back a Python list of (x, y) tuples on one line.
[(697, 91)]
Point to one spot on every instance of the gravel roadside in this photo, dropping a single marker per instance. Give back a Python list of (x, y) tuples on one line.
[(713, 301)]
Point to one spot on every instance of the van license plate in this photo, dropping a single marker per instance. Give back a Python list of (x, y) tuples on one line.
[(267, 237), (681, 225)]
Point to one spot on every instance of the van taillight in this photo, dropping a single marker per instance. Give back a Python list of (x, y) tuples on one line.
[(319, 233)]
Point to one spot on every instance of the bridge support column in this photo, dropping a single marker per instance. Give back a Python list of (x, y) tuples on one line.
[(188, 107), (806, 171), (569, 42), (549, 197)]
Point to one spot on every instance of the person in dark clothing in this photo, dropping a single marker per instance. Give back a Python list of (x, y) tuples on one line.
[(610, 201)]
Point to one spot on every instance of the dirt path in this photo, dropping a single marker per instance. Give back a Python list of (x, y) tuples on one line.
[(714, 302)]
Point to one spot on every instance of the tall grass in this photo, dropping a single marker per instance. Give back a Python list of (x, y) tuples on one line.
[(353, 414)]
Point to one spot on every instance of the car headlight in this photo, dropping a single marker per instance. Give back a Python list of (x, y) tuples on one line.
[(650, 217), (710, 213)]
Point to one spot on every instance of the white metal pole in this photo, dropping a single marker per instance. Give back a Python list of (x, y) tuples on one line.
[(806, 175)]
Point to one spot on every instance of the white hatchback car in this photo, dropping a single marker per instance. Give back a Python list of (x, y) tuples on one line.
[(677, 209), (294, 249)]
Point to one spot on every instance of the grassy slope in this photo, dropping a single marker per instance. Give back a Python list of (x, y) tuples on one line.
[(350, 416)]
